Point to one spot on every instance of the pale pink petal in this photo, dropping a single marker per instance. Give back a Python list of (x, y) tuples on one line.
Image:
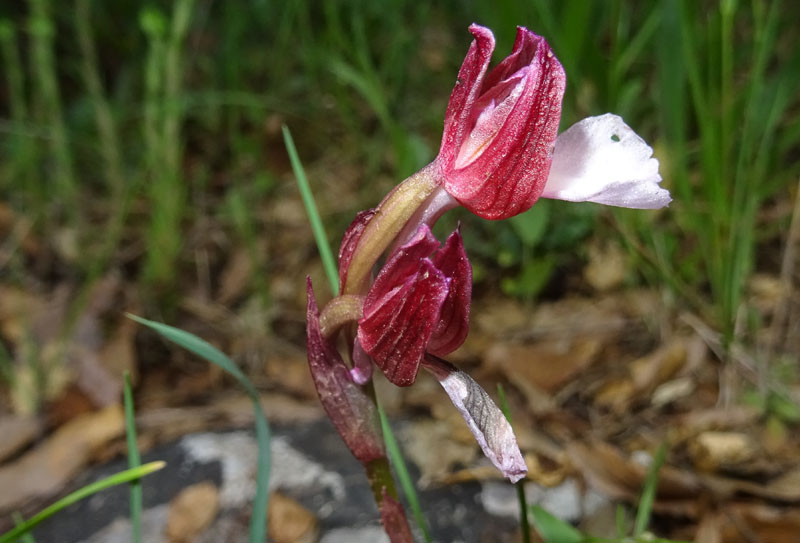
[(601, 159), (361, 372), (484, 419)]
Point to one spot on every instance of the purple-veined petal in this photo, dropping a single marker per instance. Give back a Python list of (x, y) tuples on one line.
[(402, 264), (507, 174), (397, 327), (484, 419), (352, 412), (465, 93), (453, 325), (601, 159)]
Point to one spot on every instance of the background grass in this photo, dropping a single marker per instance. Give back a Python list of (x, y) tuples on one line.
[(125, 125)]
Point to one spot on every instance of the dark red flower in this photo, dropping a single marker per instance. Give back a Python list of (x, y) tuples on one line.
[(419, 302)]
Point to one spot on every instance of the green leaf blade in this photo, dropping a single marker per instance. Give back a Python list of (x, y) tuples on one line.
[(553, 529)]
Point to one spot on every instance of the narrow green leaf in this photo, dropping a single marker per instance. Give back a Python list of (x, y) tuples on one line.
[(328, 262), (203, 349), (649, 493), (621, 521), (122, 477), (553, 529), (396, 457), (134, 461)]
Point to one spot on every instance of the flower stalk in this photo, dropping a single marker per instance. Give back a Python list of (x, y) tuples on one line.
[(391, 216)]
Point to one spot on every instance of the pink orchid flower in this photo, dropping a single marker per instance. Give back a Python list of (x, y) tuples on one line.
[(418, 303), (500, 153), (501, 150)]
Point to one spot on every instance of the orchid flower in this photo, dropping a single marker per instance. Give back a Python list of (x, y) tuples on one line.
[(500, 153), (417, 304)]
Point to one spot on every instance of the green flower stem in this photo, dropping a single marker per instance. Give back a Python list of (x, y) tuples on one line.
[(392, 215), (340, 311), (380, 477)]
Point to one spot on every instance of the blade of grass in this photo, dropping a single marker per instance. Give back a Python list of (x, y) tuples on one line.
[(42, 30), (553, 529), (523, 501), (649, 493), (396, 456), (203, 349), (134, 461), (620, 521), (328, 262), (23, 156), (117, 479)]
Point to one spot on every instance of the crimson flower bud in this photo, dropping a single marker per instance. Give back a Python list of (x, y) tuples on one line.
[(418, 303)]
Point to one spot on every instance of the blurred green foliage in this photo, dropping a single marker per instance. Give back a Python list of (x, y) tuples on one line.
[(123, 124)]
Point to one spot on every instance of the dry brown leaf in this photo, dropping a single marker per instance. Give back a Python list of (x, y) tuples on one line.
[(760, 522), (72, 402), (235, 278), (659, 366), (42, 348), (94, 380), (290, 522), (431, 446), (672, 391), (602, 318), (716, 418), (191, 512), (766, 292), (290, 373), (471, 474), (45, 470), (18, 309), (544, 471), (713, 450), (606, 268), (499, 317), (616, 394), (783, 488), (617, 476), (17, 432), (233, 410), (548, 366), (709, 530), (118, 354)]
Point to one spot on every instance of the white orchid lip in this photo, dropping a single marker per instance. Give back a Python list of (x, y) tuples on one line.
[(601, 159)]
